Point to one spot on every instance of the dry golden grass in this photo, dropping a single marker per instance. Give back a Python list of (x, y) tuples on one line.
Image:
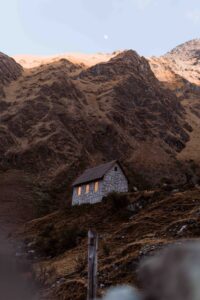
[(129, 236)]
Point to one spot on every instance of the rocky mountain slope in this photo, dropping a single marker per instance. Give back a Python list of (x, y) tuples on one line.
[(63, 115), (59, 117), (179, 70), (185, 60), (180, 65)]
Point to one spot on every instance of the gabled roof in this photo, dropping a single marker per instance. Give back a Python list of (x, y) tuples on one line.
[(95, 173)]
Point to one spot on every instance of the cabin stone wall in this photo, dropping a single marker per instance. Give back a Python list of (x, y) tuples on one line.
[(113, 181)]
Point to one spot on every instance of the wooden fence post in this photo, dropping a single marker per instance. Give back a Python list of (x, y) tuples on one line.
[(92, 264)]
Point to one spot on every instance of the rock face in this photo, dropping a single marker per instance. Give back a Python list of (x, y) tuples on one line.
[(60, 117), (179, 70), (186, 60), (180, 65)]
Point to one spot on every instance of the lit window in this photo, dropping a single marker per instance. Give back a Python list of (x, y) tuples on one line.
[(96, 186), (79, 191), (87, 189)]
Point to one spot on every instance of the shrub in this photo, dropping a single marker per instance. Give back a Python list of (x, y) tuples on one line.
[(46, 245), (117, 200), (53, 242), (47, 230), (67, 239)]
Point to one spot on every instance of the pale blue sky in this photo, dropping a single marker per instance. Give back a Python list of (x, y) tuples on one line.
[(151, 27)]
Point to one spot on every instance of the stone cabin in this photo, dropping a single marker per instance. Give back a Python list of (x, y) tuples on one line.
[(97, 182)]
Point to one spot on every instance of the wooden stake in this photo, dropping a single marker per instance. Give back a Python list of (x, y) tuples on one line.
[(92, 264)]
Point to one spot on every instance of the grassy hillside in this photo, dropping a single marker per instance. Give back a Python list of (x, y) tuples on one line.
[(130, 227)]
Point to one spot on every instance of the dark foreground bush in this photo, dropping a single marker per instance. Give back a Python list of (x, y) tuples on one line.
[(53, 242), (117, 200)]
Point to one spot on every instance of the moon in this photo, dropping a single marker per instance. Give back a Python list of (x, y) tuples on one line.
[(106, 37)]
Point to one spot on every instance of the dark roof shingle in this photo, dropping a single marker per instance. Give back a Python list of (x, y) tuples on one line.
[(93, 174)]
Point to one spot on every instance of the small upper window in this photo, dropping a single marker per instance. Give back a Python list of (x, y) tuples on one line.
[(79, 191), (87, 189), (96, 186), (116, 168)]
